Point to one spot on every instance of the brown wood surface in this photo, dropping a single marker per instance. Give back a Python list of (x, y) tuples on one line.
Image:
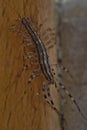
[(23, 108)]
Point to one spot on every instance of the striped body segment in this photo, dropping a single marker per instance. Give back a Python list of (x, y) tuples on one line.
[(41, 50)]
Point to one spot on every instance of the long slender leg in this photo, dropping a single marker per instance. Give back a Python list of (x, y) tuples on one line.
[(29, 55), (49, 31), (73, 100), (41, 25), (68, 93), (34, 75), (48, 98), (50, 38), (19, 29), (27, 42), (32, 60), (51, 46), (65, 69), (68, 72)]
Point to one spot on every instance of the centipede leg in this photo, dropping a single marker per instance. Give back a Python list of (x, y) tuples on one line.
[(41, 25), (28, 55), (48, 98), (49, 31), (27, 42), (32, 58), (72, 98), (50, 37), (33, 76), (65, 69), (50, 44), (19, 29)]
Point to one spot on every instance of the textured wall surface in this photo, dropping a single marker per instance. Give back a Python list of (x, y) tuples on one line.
[(74, 53)]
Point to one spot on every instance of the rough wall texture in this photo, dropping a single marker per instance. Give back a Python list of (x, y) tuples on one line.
[(74, 53)]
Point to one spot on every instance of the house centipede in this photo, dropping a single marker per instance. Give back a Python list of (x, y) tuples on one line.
[(43, 60), (45, 65)]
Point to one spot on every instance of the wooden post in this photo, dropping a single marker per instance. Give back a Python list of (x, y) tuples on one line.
[(22, 106)]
